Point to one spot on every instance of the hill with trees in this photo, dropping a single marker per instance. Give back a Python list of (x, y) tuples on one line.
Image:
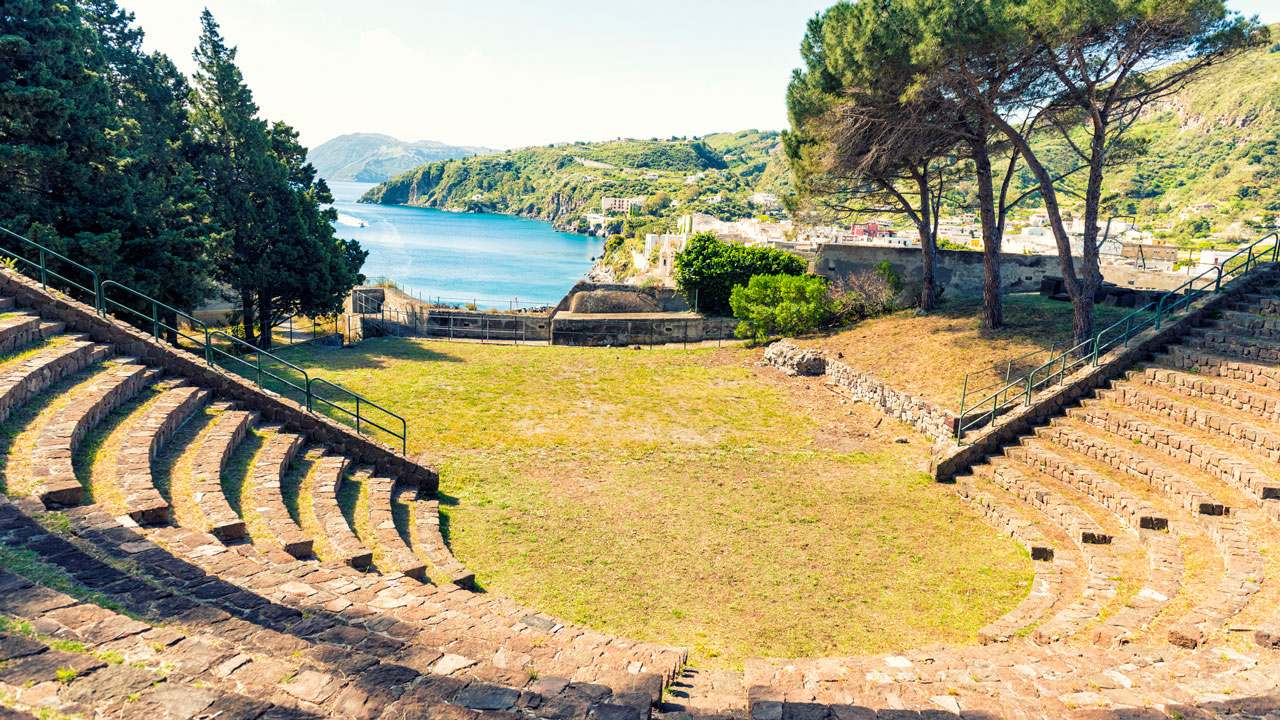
[(372, 157), (561, 184)]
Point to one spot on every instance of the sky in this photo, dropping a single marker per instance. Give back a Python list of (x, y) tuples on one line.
[(510, 73)]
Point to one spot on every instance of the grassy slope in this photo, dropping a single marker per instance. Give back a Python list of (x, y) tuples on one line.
[(688, 497), (950, 342)]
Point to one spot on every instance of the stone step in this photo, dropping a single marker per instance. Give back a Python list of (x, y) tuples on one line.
[(215, 639), (327, 478), (431, 544), (21, 382), (1256, 304), (1183, 449), (1220, 391), (1242, 433), (1051, 568), (265, 491), (1137, 513), (227, 432), (1247, 325), (142, 500), (51, 458), (19, 330), (1233, 345), (1188, 359), (383, 525)]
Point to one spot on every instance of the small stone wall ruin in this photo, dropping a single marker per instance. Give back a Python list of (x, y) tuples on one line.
[(937, 423)]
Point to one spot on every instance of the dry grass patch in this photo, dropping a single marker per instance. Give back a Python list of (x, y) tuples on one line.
[(687, 497), (929, 355)]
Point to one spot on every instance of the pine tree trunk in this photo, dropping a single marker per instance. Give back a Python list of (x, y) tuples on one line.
[(264, 320), (992, 308), (927, 249), (1082, 320), (246, 317)]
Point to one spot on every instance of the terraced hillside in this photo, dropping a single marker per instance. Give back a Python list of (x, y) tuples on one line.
[(167, 554)]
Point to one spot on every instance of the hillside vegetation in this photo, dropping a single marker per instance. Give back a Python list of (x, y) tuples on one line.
[(716, 175), (371, 157), (1216, 141)]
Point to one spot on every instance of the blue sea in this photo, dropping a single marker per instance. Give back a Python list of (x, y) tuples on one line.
[(492, 260)]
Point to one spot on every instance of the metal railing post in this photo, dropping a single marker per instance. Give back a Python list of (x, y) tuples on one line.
[(155, 325), (44, 274)]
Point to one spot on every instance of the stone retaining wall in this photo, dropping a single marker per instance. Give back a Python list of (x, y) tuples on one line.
[(318, 429), (938, 423)]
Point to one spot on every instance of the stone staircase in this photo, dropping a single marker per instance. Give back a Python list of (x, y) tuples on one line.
[(173, 553)]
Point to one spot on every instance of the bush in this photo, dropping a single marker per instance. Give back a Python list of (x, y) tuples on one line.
[(707, 270), (770, 305)]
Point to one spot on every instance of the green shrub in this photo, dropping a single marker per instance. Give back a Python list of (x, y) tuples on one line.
[(707, 270), (771, 305)]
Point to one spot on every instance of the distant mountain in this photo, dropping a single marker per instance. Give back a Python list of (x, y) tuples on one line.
[(729, 175), (371, 157)]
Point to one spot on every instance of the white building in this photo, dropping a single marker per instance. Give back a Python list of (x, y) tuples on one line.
[(621, 205)]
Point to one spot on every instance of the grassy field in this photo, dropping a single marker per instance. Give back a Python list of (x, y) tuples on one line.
[(930, 355), (688, 497)]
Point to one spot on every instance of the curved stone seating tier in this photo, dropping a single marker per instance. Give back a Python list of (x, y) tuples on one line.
[(497, 639), (268, 470), (1047, 682), (382, 522), (1047, 587), (142, 501), (431, 543), (51, 465), (1245, 571), (1249, 349), (23, 328), (1219, 391), (1102, 576), (221, 439), (19, 383), (217, 646), (1208, 364), (1166, 482), (1163, 585), (1242, 433), (1244, 577), (327, 480), (1134, 511), (1183, 449), (1164, 554)]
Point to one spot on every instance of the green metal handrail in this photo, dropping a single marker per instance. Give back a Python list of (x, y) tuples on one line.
[(154, 318), (250, 349), (102, 303), (1023, 388), (313, 395), (45, 272)]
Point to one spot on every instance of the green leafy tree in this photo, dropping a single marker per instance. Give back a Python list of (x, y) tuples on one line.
[(58, 176), (1083, 69), (275, 247), (162, 248), (707, 270), (773, 305)]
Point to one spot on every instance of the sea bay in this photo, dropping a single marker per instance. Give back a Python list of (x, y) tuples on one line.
[(493, 260)]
